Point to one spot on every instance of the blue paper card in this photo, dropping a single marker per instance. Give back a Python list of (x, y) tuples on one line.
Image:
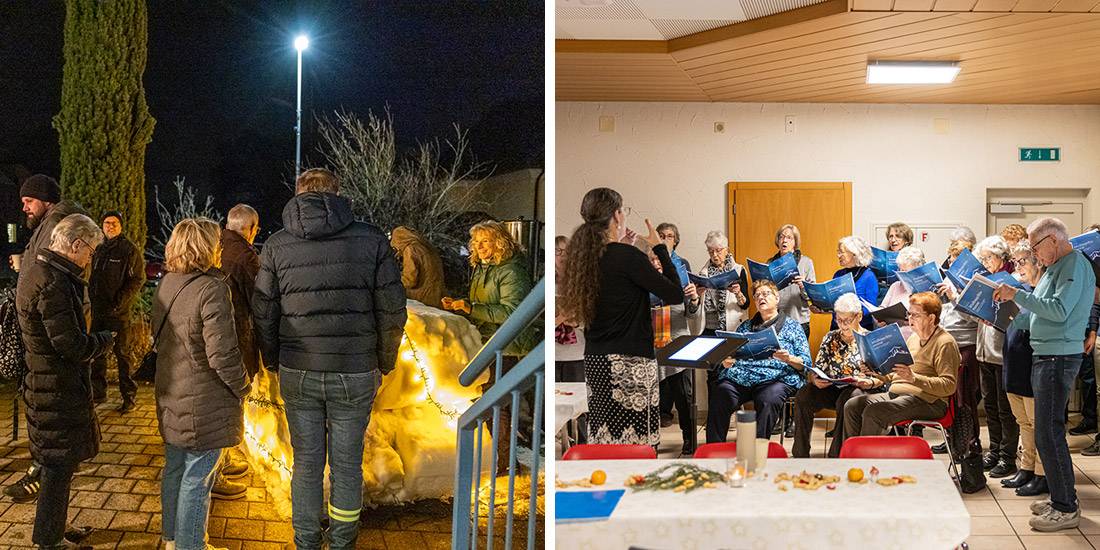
[(720, 281), (824, 295), (781, 271), (1089, 245), (922, 279), (578, 506), (883, 262), (977, 300), (761, 344), (681, 270), (965, 266), (883, 348)]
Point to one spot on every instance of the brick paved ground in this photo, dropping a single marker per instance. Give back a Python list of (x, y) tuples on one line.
[(120, 497)]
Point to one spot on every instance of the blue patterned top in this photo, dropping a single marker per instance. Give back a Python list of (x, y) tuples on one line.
[(750, 372)]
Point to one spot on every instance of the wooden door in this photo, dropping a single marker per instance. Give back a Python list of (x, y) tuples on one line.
[(822, 212)]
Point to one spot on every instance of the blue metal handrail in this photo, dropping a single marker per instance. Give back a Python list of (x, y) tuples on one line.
[(530, 308), (528, 374)]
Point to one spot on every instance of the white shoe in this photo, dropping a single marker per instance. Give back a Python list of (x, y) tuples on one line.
[(1055, 520), (1041, 507)]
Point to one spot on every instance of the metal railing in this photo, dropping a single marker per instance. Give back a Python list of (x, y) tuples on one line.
[(506, 390)]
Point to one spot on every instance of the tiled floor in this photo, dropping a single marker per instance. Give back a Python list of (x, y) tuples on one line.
[(998, 518), (121, 496)]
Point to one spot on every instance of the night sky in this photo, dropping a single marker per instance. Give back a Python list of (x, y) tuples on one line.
[(220, 82)]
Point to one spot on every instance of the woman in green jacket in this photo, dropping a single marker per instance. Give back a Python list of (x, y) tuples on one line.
[(499, 283)]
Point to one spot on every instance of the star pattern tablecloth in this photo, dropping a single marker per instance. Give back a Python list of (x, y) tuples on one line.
[(926, 515)]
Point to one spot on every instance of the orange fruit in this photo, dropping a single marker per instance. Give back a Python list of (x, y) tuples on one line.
[(598, 477), (855, 475)]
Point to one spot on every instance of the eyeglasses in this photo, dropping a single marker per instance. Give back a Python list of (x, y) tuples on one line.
[(667, 235), (912, 314), (717, 251), (559, 252), (765, 294), (1036, 245), (847, 318)]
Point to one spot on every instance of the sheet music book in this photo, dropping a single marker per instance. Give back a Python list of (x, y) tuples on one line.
[(883, 348), (824, 295), (781, 271)]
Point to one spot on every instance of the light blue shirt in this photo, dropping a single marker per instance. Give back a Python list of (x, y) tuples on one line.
[(1060, 306)]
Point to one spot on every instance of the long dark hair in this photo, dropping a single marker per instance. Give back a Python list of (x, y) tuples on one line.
[(582, 257)]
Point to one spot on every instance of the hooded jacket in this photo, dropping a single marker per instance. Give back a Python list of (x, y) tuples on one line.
[(57, 388), (421, 267), (328, 295)]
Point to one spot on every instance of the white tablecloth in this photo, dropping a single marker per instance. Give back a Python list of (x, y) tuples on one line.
[(568, 407), (927, 515)]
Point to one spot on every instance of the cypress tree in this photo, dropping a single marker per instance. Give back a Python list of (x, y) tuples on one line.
[(104, 124)]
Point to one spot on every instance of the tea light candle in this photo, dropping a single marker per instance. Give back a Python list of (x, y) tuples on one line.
[(736, 475)]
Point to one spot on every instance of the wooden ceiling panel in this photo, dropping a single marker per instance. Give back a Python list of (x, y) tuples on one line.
[(1034, 5), (1047, 33), (954, 5), (1024, 56), (1075, 6), (877, 46), (873, 5), (995, 5), (913, 5)]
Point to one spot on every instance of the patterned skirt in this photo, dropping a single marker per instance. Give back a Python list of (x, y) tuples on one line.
[(623, 399)]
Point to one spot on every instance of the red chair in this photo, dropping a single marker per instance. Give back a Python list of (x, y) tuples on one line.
[(886, 446), (609, 452), (729, 450), (942, 424)]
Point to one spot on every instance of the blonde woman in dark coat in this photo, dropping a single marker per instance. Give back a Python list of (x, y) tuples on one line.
[(200, 382)]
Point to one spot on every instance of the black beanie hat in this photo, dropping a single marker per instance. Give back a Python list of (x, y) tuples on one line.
[(41, 187), (111, 214)]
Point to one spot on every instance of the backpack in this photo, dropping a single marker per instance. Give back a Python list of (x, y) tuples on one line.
[(12, 363)]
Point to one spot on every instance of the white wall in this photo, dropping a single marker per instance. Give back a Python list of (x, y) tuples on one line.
[(670, 165)]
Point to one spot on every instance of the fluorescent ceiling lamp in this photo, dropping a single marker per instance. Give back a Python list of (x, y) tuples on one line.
[(912, 72)]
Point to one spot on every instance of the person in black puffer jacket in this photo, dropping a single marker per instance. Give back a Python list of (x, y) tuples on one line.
[(329, 311), (57, 388)]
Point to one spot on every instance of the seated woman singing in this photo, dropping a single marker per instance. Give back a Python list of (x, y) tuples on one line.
[(767, 382), (838, 357), (917, 392)]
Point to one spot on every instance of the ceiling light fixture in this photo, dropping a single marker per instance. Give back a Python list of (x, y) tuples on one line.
[(912, 72)]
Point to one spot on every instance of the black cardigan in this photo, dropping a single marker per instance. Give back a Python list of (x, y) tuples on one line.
[(623, 324)]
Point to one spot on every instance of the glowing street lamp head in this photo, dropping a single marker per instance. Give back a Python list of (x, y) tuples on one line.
[(301, 42)]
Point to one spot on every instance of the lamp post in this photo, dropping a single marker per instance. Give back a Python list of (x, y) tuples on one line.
[(300, 43)]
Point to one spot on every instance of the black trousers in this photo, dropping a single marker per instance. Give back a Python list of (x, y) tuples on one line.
[(124, 356), (727, 397), (53, 506), (1088, 395), (676, 390), (1004, 432)]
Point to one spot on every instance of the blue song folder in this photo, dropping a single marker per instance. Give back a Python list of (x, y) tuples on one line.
[(578, 506)]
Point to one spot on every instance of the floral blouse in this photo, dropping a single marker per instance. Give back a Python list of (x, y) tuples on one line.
[(838, 358), (750, 372)]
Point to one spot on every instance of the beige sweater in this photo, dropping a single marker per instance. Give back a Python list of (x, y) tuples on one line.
[(935, 368)]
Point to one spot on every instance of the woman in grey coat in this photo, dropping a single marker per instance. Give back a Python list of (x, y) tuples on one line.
[(200, 382)]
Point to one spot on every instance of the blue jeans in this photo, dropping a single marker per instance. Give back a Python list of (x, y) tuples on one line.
[(327, 413), (1052, 376), (185, 495)]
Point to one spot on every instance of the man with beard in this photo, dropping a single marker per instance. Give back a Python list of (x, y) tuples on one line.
[(42, 204)]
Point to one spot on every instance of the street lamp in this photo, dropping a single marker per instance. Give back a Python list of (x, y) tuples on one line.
[(300, 43)]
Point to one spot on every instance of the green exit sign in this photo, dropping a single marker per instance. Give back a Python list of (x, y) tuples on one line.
[(1040, 154)]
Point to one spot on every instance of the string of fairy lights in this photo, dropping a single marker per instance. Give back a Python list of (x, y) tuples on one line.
[(267, 404)]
